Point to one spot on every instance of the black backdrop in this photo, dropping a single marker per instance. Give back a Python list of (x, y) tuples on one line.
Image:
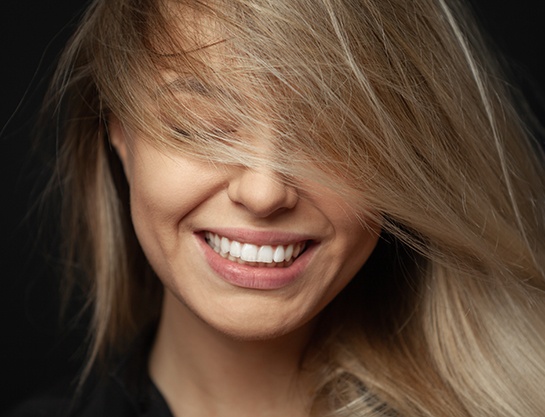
[(34, 349)]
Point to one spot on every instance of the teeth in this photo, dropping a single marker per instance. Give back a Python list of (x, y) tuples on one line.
[(224, 245), (247, 252), (279, 254), (235, 249), (289, 252), (265, 254)]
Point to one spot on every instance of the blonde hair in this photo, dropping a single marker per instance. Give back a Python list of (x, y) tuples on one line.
[(398, 106)]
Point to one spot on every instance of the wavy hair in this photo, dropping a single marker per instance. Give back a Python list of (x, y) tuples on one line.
[(395, 104)]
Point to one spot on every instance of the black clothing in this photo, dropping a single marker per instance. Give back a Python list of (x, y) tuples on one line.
[(128, 391)]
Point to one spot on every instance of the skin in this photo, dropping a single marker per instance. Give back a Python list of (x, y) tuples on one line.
[(244, 353), (238, 334)]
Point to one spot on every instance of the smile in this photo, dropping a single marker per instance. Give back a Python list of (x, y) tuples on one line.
[(255, 255)]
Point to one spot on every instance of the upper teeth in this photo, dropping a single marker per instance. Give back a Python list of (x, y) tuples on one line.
[(253, 253)]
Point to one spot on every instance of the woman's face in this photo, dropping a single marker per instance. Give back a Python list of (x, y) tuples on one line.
[(245, 252), (248, 254)]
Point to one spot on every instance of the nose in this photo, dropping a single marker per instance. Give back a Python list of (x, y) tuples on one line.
[(261, 191)]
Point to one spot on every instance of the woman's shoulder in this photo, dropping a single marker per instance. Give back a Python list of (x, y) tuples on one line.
[(125, 391), (109, 396), (41, 406), (64, 401)]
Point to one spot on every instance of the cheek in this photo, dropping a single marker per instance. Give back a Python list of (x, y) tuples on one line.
[(168, 187), (360, 242), (154, 213), (163, 192), (357, 237), (156, 204), (353, 242), (362, 245), (154, 201)]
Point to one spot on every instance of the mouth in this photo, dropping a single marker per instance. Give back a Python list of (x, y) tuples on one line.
[(244, 253)]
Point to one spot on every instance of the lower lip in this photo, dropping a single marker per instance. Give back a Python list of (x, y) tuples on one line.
[(253, 277)]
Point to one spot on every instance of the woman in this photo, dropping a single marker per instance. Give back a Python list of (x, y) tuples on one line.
[(300, 208)]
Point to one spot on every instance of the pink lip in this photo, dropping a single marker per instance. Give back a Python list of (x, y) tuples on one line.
[(254, 277)]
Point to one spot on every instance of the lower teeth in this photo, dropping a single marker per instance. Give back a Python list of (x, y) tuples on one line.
[(283, 264)]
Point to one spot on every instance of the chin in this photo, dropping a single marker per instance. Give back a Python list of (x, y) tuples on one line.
[(258, 332), (250, 317), (256, 327)]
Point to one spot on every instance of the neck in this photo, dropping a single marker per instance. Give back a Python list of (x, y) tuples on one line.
[(203, 372)]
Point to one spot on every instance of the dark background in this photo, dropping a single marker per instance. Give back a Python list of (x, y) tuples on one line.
[(35, 347)]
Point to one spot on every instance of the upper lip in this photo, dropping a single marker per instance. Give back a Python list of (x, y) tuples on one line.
[(259, 237)]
